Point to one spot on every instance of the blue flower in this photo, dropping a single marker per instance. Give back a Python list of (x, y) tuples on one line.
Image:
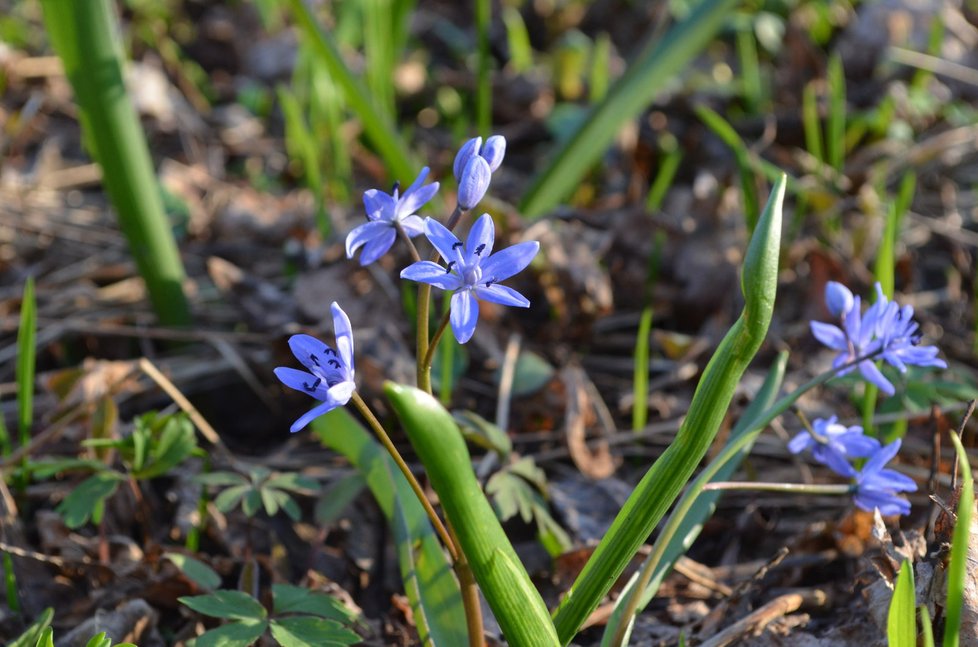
[(877, 487), (472, 271), (884, 330), (838, 298), (834, 445), (383, 212), (473, 168), (330, 376)]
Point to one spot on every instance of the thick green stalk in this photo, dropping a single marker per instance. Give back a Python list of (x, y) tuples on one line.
[(665, 479), (84, 36), (514, 600)]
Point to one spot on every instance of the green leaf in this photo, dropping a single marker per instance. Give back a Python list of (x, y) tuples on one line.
[(177, 441), (251, 502), (221, 478), (428, 578), (83, 502), (514, 600), (47, 638), (26, 358), (957, 570), (295, 482), (338, 496), (296, 599), (47, 468), (35, 633), (663, 482), (901, 624), (531, 374), (311, 632), (236, 634), (234, 605), (197, 571), (481, 432), (99, 640), (659, 61), (229, 498)]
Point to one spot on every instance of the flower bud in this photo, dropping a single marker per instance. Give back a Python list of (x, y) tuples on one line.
[(474, 182), (468, 150), (838, 298), (494, 151)]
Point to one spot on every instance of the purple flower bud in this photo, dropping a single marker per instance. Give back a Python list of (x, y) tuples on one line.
[(474, 182), (838, 298), (494, 151), (468, 150)]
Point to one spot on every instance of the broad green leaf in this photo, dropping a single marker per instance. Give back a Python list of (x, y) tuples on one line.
[(229, 498), (221, 478), (901, 624), (251, 503), (270, 501), (663, 482), (233, 605), (47, 638), (294, 482), (532, 373), (83, 502), (479, 431), (296, 599), (659, 61), (242, 633), (338, 496), (957, 570), (100, 640), (176, 442), (44, 469), (33, 635), (514, 600), (197, 571), (428, 579), (311, 632)]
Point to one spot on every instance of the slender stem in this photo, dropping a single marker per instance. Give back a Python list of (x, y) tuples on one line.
[(470, 596), (385, 440), (415, 256), (454, 218), (433, 345), (805, 488), (697, 487)]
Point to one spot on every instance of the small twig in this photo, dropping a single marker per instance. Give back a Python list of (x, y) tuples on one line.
[(776, 608)]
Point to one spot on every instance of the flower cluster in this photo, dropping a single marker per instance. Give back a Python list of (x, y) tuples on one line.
[(885, 331), (835, 445), (471, 270)]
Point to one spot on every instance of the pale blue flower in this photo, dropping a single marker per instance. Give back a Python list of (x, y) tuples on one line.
[(472, 271), (473, 168), (834, 445), (384, 210), (877, 487), (330, 376)]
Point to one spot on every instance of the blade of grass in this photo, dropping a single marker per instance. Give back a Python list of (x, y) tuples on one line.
[(640, 376), (599, 78), (302, 146), (428, 580), (379, 55), (662, 483), (957, 570), (657, 63), (520, 50), (901, 626), (673, 155), (926, 630), (750, 69), (26, 365), (84, 35), (836, 126), (722, 129), (378, 129), (811, 123)]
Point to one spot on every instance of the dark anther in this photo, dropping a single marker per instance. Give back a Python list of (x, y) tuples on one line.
[(490, 282), (333, 363), (456, 245), (478, 250), (449, 268), (315, 360), (397, 185), (312, 387), (915, 338), (329, 351)]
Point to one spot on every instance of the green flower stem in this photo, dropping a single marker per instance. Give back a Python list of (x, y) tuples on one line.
[(415, 256), (470, 596), (378, 428), (760, 486), (429, 356), (664, 481)]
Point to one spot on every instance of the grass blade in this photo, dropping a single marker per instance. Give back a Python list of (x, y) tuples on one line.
[(957, 569), (26, 361), (428, 579), (378, 129), (901, 625), (84, 34), (658, 62), (722, 129), (835, 141), (670, 472)]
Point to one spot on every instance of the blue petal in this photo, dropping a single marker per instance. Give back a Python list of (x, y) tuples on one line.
[(482, 233), (502, 295), (339, 394), (444, 241), (432, 273), (474, 183), (872, 374), (802, 441), (312, 414), (313, 353), (410, 203), (838, 298), (880, 458), (418, 181), (830, 335), (464, 315), (835, 461), (494, 151), (412, 225), (379, 205), (365, 233), (379, 246), (887, 502), (343, 332), (858, 445), (507, 262), (298, 380), (893, 480), (464, 154)]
